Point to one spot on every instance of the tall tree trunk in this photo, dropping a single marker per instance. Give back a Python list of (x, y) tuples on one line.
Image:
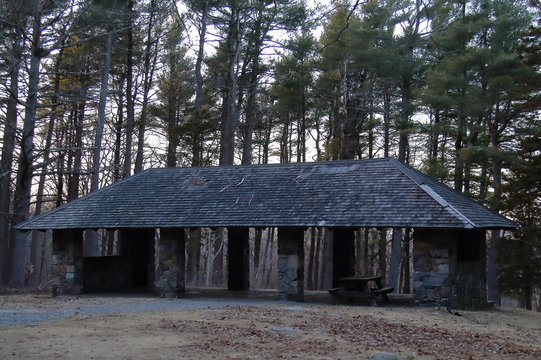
[(193, 251), (263, 267), (311, 254), (257, 252), (218, 257), (303, 124), (94, 184), (284, 153), (396, 255), (130, 107), (35, 249), (8, 150), (147, 84), (459, 163), (60, 169), (358, 252), (76, 154), (386, 121), (172, 135), (266, 142), (198, 116), (229, 113), (117, 171), (371, 127), (328, 258), (528, 293), (25, 165), (496, 128), (271, 251), (403, 128), (91, 243), (318, 140), (406, 261), (366, 252), (255, 48), (316, 259), (382, 254), (493, 288), (433, 155), (250, 116)]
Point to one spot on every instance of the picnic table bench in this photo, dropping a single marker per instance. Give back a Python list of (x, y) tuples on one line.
[(363, 287)]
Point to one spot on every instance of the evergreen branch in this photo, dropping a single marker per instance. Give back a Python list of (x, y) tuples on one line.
[(346, 26)]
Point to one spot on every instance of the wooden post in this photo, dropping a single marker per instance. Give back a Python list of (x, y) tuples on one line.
[(291, 264), (238, 254)]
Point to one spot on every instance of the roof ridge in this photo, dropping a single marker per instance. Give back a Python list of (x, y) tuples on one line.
[(431, 192), (77, 200), (290, 164)]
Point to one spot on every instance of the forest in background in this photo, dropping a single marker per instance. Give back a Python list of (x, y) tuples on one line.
[(94, 91)]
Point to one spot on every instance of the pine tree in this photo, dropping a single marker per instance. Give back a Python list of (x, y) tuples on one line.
[(175, 91), (520, 253), (13, 27), (292, 87)]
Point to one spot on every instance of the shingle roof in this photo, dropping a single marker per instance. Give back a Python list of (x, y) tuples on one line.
[(353, 193)]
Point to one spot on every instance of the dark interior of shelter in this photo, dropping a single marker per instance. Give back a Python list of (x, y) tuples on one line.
[(129, 268)]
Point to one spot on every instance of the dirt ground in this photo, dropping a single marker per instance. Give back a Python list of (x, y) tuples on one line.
[(277, 330)]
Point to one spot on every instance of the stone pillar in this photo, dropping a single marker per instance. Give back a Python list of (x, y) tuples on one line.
[(170, 279), (343, 263), (291, 264), (238, 255), (434, 263), (68, 260)]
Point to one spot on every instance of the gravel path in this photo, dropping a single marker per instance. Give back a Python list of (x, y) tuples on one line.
[(28, 309), (65, 306)]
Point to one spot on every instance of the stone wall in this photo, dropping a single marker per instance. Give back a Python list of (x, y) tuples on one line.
[(449, 268), (433, 261)]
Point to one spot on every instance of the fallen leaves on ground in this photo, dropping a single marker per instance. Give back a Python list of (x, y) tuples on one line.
[(273, 331)]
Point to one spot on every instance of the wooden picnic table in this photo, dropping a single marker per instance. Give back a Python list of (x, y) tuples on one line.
[(362, 287)]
